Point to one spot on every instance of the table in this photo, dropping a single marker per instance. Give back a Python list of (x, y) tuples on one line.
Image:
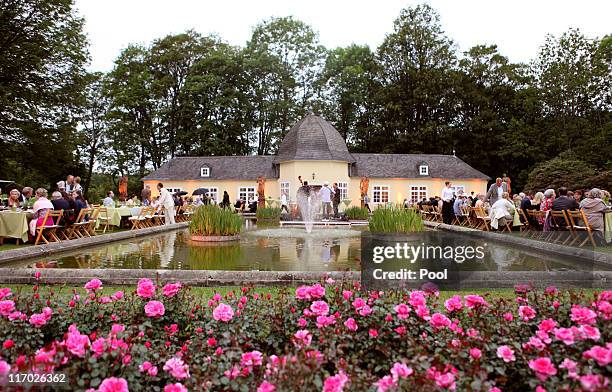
[(608, 226), (14, 224), (115, 214)]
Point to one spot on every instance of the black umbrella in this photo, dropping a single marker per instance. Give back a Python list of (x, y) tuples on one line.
[(200, 191), (181, 193)]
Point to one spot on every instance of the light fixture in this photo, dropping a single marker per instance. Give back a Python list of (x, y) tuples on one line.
[(313, 176)]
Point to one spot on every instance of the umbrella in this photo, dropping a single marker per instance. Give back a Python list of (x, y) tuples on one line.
[(200, 191), (181, 193)]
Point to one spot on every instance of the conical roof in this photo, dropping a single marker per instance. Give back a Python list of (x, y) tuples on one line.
[(313, 138)]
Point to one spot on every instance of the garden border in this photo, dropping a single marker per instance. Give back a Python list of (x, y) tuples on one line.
[(70, 245)]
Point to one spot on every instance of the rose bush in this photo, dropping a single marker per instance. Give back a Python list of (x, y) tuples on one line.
[(326, 338)]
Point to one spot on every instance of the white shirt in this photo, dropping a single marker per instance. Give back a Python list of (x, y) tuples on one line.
[(447, 193), (283, 199), (326, 194), (108, 202), (500, 191), (165, 198)]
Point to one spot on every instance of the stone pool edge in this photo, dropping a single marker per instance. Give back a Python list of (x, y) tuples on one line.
[(541, 246), (209, 278), (45, 250)]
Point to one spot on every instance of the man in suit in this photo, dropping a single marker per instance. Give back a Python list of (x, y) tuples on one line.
[(496, 191), (166, 201)]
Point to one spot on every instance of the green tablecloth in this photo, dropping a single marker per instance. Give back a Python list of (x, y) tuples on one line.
[(608, 226), (14, 225), (115, 214)]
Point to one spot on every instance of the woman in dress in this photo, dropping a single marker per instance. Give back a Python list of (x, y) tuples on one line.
[(14, 199), (546, 205), (41, 206)]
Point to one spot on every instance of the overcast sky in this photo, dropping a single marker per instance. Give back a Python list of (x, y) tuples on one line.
[(518, 27)]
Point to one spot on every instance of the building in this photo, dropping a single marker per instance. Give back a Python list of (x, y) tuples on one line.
[(315, 150)]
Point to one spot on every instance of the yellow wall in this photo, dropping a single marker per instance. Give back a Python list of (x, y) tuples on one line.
[(331, 171)]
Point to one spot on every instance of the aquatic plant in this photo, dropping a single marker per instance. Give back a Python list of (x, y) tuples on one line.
[(356, 213), (396, 220), (210, 220)]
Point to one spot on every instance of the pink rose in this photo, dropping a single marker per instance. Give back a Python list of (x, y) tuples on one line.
[(547, 325), (358, 303), (564, 334), (98, 347), (351, 324), (178, 387), (446, 380), (593, 382), (302, 292), (76, 343), (266, 387), (146, 288), (113, 385), (385, 383), (543, 367), (223, 313), (6, 307), (38, 319), (154, 309), (400, 370), (601, 355), (472, 301), (505, 353), (118, 295), (335, 383), (475, 353), (93, 285), (177, 368), (508, 316), (373, 333), (582, 315), (323, 321), (438, 320), (589, 332), (320, 308), (316, 291), (171, 289), (402, 311), (302, 338), (526, 312), (250, 359), (417, 298), (365, 310), (453, 303), (5, 292), (347, 294)]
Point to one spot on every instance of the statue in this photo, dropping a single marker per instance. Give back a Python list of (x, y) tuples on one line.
[(364, 183), (123, 188), (506, 179), (261, 190)]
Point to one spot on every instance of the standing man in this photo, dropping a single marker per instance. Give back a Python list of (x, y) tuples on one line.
[(69, 183), (166, 201), (284, 202), (336, 199), (496, 191), (366, 202), (447, 203), (146, 195), (326, 195)]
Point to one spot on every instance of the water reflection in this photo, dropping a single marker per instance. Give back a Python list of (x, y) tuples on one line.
[(272, 250)]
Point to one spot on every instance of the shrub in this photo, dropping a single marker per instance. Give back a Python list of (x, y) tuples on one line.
[(269, 213), (209, 220), (356, 213), (301, 340), (396, 220)]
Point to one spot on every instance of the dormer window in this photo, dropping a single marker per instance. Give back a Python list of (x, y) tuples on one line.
[(424, 170), (205, 172)]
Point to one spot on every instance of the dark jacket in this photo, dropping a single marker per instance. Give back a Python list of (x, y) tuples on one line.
[(564, 203), (60, 204)]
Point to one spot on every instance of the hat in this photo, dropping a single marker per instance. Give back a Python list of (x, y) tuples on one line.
[(61, 184), (326, 183)]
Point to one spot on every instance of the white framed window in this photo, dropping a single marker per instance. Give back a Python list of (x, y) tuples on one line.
[(213, 192), (457, 188), (285, 188), (246, 193), (424, 170), (205, 171), (380, 194), (343, 188), (173, 190), (418, 193)]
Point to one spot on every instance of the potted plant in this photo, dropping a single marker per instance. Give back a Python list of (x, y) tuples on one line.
[(356, 213), (268, 215), (210, 223), (395, 221)]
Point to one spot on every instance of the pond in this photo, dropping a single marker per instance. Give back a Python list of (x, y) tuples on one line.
[(271, 249)]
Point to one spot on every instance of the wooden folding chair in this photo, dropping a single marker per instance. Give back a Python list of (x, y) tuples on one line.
[(580, 223), (178, 216), (536, 226), (525, 227), (79, 228), (437, 214), (93, 221), (484, 222), (103, 218), (139, 221), (465, 216), (49, 231), (561, 227), (159, 217)]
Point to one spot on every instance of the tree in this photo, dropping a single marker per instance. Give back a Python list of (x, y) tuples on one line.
[(42, 58), (569, 172), (416, 62)]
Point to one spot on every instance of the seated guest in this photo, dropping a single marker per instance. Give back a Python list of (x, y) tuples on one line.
[(79, 202), (526, 202), (546, 205), (502, 211), (41, 206), (537, 201), (239, 205), (517, 199), (59, 203), (459, 202), (564, 202), (479, 203), (108, 201), (594, 208), (578, 196), (26, 194), (14, 199), (77, 184)]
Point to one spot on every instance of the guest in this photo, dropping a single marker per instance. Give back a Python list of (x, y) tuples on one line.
[(479, 203), (26, 194), (108, 200), (166, 201), (326, 200), (198, 201), (225, 202), (594, 208), (284, 202), (447, 203), (69, 185), (79, 202), (77, 184), (366, 202), (472, 199), (59, 203), (546, 205), (578, 196), (146, 195), (335, 199), (526, 201), (459, 202), (41, 206), (537, 201), (496, 190), (517, 199), (14, 199), (564, 202), (502, 211), (61, 186)]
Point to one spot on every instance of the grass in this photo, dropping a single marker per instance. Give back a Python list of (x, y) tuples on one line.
[(210, 220), (356, 213), (396, 220)]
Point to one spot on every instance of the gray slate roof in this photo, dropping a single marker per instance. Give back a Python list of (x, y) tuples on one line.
[(407, 166), (313, 138), (221, 168)]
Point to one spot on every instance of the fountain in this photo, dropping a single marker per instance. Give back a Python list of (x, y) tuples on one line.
[(309, 205)]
